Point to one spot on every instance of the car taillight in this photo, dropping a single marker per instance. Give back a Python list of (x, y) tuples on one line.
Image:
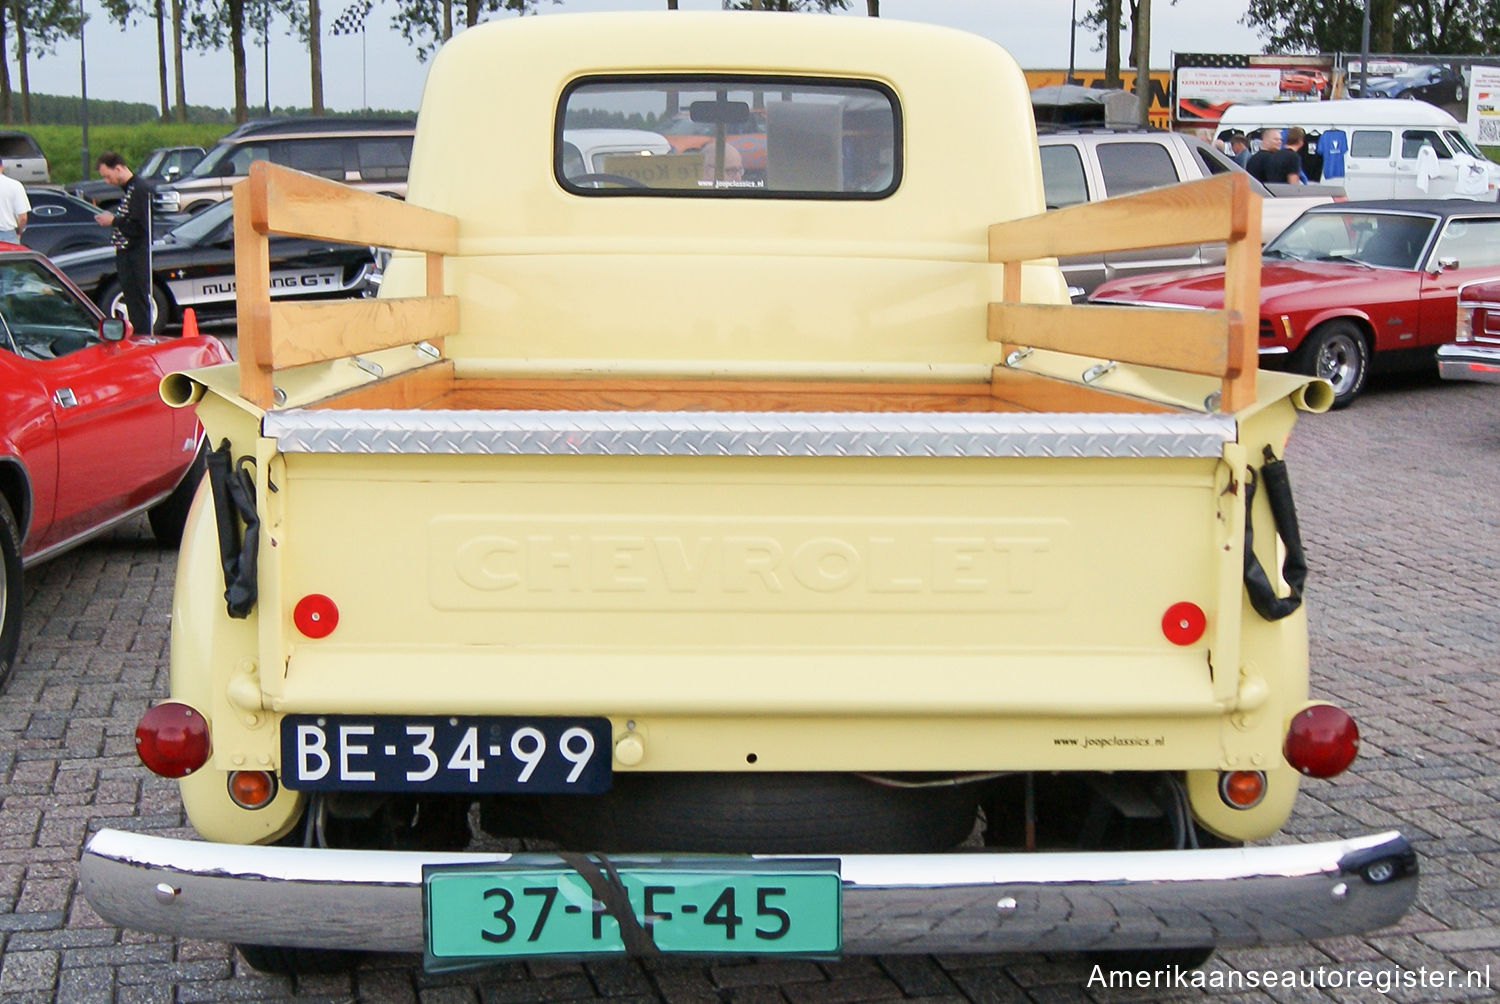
[(251, 789), (1242, 789), (172, 739), (1321, 741)]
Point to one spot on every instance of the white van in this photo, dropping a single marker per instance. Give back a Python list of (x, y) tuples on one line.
[(1381, 140)]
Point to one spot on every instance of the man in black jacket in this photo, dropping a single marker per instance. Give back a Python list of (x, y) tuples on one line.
[(132, 237), (1273, 162)]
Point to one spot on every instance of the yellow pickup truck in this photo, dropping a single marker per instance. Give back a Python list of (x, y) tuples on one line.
[(738, 545)]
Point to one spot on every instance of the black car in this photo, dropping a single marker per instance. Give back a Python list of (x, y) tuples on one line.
[(1434, 84), (163, 164), (59, 223), (193, 266)]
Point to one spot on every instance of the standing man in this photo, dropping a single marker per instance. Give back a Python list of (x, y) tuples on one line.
[(1239, 148), (13, 208), (132, 237), (1272, 164)]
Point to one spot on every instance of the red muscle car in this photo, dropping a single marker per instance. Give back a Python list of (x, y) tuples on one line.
[(1350, 286), (1474, 353), (85, 439)]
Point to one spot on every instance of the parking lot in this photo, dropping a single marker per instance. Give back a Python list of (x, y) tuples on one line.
[(1400, 504)]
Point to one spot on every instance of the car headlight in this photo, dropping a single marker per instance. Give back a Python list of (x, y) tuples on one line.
[(169, 200)]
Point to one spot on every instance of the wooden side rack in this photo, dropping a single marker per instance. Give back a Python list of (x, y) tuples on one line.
[(1221, 343), (273, 336)]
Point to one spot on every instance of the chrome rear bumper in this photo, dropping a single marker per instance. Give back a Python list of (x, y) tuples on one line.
[(948, 903)]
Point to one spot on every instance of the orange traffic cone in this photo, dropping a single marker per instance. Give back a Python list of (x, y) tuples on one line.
[(189, 323)]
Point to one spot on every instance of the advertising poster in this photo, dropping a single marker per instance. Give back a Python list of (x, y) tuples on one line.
[(1484, 105), (1204, 84)]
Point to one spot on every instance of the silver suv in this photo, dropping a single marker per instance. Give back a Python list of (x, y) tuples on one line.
[(372, 154), (23, 159), (1086, 164)]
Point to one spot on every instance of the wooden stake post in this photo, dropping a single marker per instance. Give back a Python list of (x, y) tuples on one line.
[(1221, 343), (273, 336)]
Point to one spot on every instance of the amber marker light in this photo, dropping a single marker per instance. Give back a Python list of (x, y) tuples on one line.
[(1321, 741), (1242, 789), (1184, 623), (172, 739), (251, 789), (315, 615)]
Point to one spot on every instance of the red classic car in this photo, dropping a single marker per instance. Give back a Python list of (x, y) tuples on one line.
[(1474, 353), (1303, 82), (1350, 286), (85, 439)]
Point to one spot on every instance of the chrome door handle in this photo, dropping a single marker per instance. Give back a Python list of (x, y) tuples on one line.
[(65, 398)]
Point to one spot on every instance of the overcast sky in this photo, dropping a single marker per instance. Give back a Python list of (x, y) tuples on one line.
[(385, 72)]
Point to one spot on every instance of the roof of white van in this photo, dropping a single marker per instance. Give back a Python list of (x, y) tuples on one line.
[(1342, 112)]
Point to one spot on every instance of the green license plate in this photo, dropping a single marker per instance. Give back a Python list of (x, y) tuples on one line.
[(730, 906)]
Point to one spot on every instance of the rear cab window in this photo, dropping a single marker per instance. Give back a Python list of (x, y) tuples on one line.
[(732, 137)]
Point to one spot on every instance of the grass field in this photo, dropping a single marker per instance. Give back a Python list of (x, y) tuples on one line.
[(63, 145)]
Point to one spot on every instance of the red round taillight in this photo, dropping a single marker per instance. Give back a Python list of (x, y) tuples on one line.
[(315, 615), (1184, 623), (172, 739), (251, 789), (1322, 741)]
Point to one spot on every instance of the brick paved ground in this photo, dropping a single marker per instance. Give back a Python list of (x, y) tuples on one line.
[(1400, 500)]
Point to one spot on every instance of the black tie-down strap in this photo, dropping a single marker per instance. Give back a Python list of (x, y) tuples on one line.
[(234, 493), (609, 892), (1284, 512)]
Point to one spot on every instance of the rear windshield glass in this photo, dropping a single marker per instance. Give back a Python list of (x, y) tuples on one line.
[(728, 138)]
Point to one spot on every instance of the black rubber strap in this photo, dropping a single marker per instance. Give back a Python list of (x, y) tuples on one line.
[(233, 490), (1284, 513), (610, 893)]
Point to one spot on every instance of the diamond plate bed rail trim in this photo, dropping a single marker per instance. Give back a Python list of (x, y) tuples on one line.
[(749, 434)]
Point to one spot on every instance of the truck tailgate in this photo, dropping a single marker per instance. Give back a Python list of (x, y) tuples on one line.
[(681, 563)]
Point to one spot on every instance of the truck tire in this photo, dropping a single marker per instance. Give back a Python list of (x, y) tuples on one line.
[(169, 516), (11, 600), (1337, 352), (763, 813)]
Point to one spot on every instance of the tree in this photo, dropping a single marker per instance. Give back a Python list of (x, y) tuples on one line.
[(4, 66), (826, 6), (427, 24), (1396, 26), (39, 26), (209, 24), (306, 21), (124, 13)]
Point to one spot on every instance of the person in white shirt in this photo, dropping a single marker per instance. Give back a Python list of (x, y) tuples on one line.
[(13, 208)]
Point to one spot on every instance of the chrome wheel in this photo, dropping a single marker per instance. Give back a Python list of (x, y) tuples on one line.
[(1337, 352), (1338, 362)]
